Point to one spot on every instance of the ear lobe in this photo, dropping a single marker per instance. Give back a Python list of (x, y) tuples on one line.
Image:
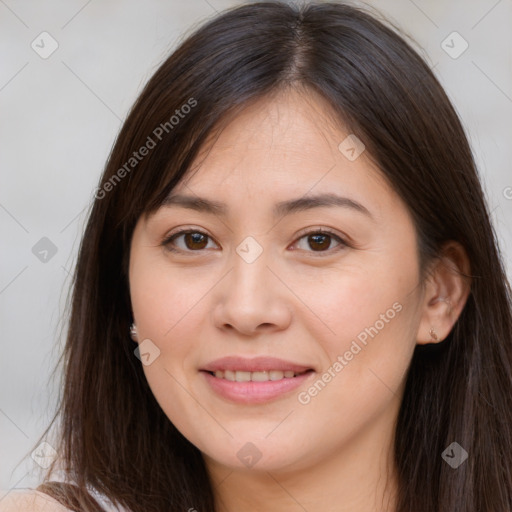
[(446, 292)]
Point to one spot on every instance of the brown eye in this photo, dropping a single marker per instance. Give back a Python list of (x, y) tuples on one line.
[(320, 241), (195, 240), (187, 241)]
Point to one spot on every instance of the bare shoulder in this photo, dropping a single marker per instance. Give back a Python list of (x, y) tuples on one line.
[(28, 500)]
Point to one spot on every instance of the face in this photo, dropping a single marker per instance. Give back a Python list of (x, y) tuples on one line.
[(277, 294)]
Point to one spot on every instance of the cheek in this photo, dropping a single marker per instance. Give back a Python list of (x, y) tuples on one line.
[(365, 366), (164, 299), (349, 302), (168, 310), (368, 319), (351, 296)]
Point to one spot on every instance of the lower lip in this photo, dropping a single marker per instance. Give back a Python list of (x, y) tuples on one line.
[(254, 392)]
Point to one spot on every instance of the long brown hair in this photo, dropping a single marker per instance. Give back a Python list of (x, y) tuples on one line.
[(113, 436)]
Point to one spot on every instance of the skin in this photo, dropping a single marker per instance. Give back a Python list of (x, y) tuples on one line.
[(296, 301)]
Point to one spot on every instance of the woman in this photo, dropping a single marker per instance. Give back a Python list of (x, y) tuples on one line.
[(289, 294)]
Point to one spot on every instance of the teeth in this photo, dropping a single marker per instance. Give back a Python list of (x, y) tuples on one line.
[(259, 376), (229, 375), (243, 376), (264, 376)]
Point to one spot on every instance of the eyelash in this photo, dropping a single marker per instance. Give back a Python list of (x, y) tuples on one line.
[(319, 231)]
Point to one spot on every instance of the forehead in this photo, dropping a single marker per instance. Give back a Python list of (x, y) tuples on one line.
[(280, 148), (285, 130)]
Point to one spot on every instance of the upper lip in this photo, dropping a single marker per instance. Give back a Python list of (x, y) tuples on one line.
[(256, 364)]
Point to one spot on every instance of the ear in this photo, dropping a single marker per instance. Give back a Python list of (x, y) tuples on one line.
[(447, 288)]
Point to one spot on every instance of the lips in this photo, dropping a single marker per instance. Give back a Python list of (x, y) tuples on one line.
[(254, 381)]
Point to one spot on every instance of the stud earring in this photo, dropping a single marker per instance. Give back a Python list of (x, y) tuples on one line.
[(433, 334), (133, 332)]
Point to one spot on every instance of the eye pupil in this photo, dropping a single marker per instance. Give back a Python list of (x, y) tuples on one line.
[(317, 241), (195, 241)]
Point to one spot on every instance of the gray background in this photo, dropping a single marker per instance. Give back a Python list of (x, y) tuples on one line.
[(59, 118)]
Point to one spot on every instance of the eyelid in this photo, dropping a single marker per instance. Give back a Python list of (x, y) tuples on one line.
[(319, 229), (186, 229)]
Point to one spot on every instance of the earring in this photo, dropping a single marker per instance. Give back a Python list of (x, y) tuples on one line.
[(133, 332), (433, 334)]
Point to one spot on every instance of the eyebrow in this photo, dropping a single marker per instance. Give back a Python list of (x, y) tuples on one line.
[(281, 209)]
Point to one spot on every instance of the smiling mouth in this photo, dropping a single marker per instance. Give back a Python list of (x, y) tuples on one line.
[(257, 380), (262, 376)]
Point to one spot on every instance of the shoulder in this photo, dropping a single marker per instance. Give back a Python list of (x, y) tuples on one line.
[(29, 500)]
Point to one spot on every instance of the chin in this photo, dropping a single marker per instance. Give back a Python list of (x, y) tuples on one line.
[(259, 455)]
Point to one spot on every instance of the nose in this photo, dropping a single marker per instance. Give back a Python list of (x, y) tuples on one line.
[(250, 299)]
